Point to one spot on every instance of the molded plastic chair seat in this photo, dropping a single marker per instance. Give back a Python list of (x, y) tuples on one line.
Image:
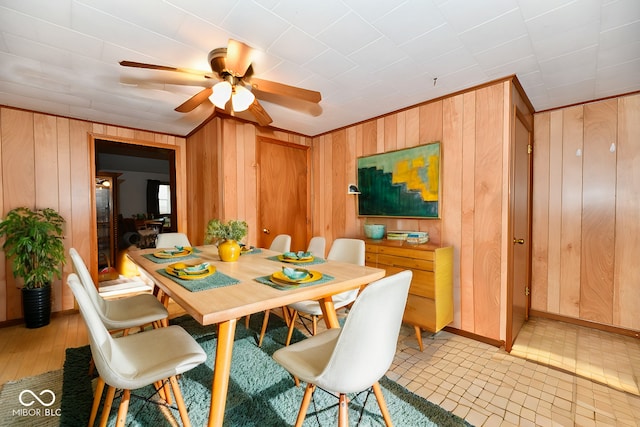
[(123, 313), (344, 250), (135, 361), (281, 243), (170, 240), (355, 357)]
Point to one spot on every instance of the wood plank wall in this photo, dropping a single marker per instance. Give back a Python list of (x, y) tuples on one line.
[(472, 127), (586, 217), (46, 162), (222, 173)]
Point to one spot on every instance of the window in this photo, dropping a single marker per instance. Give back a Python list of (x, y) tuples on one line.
[(164, 199)]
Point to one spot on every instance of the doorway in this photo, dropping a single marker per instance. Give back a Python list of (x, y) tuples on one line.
[(140, 190), (284, 206)]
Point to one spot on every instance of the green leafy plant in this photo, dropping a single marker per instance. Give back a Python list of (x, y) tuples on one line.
[(34, 241), (231, 230)]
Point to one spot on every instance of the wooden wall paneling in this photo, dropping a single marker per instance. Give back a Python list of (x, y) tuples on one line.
[(327, 183), (571, 222), (412, 127), (339, 184), (556, 126), (598, 211), (65, 200), (467, 273), (488, 209), (390, 132), (229, 170), (369, 138), (18, 170), (401, 131), (430, 122), (248, 171), (46, 179), (317, 190), (627, 244), (540, 212), (451, 204), (352, 224), (82, 219)]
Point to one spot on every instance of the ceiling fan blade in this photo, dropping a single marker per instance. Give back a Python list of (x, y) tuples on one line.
[(311, 108), (286, 90), (238, 58), (197, 99), (166, 68), (259, 113)]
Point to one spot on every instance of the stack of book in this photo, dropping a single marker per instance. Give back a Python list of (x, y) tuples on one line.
[(397, 235), (417, 237)]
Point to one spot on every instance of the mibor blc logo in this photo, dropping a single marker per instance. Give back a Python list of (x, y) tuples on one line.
[(42, 402)]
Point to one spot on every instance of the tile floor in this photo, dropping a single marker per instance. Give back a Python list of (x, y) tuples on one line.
[(489, 387)]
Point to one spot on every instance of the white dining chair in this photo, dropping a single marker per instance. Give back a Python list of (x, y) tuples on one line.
[(134, 361), (170, 240), (353, 358), (344, 250), (281, 243), (123, 313), (317, 246)]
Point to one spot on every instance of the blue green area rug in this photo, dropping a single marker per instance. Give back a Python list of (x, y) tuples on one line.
[(261, 393)]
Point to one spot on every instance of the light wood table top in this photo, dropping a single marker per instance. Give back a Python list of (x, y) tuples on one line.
[(224, 305)]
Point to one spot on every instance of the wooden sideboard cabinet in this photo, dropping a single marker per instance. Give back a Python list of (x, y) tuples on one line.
[(430, 301)]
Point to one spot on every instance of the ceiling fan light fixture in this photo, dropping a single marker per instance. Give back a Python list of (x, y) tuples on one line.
[(241, 98), (221, 94)]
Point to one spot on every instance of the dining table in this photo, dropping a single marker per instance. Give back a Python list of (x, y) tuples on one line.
[(244, 287)]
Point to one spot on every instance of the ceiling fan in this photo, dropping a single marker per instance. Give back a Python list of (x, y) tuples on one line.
[(237, 89)]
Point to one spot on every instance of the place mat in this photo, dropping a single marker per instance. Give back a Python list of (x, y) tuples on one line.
[(252, 251), (314, 261), (216, 280), (194, 254), (266, 280)]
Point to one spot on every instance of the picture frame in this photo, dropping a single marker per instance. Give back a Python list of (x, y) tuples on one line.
[(402, 183)]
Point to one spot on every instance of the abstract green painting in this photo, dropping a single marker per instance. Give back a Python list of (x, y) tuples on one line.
[(402, 183)]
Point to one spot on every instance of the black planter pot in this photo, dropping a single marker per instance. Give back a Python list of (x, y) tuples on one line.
[(36, 306)]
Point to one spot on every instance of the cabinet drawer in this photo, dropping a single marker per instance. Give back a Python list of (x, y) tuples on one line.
[(422, 283), (406, 252), (412, 263)]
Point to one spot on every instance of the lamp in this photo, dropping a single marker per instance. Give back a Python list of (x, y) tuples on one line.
[(241, 97)]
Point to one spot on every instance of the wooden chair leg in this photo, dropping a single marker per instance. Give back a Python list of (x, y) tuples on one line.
[(314, 328), (418, 336), (108, 401), (123, 408), (167, 393), (285, 315), (96, 401), (343, 411), (246, 320), (382, 404), (263, 331), (291, 326), (180, 401), (306, 399)]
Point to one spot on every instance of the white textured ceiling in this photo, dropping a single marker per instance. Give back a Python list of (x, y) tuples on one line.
[(366, 58)]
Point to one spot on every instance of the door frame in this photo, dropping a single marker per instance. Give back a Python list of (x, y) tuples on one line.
[(177, 174)]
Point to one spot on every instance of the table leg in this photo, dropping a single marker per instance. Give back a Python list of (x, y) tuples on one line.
[(221, 370), (329, 312)]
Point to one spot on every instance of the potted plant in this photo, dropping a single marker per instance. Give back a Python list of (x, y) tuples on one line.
[(226, 236), (33, 241)]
